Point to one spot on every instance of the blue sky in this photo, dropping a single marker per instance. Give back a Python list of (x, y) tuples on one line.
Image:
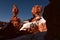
[(24, 7)]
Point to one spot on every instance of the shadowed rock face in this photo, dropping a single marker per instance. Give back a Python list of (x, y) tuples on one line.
[(51, 14), (2, 24)]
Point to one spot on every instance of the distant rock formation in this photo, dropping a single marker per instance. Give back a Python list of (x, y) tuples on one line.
[(2, 24), (52, 16)]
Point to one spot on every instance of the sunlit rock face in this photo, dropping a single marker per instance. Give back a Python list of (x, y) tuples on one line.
[(15, 20), (14, 26), (51, 14), (15, 23), (15, 10)]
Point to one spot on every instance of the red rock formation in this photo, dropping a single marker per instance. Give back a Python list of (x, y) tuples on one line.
[(15, 20), (14, 24), (15, 10)]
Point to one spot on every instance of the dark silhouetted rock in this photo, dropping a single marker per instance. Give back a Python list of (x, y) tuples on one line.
[(52, 16)]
